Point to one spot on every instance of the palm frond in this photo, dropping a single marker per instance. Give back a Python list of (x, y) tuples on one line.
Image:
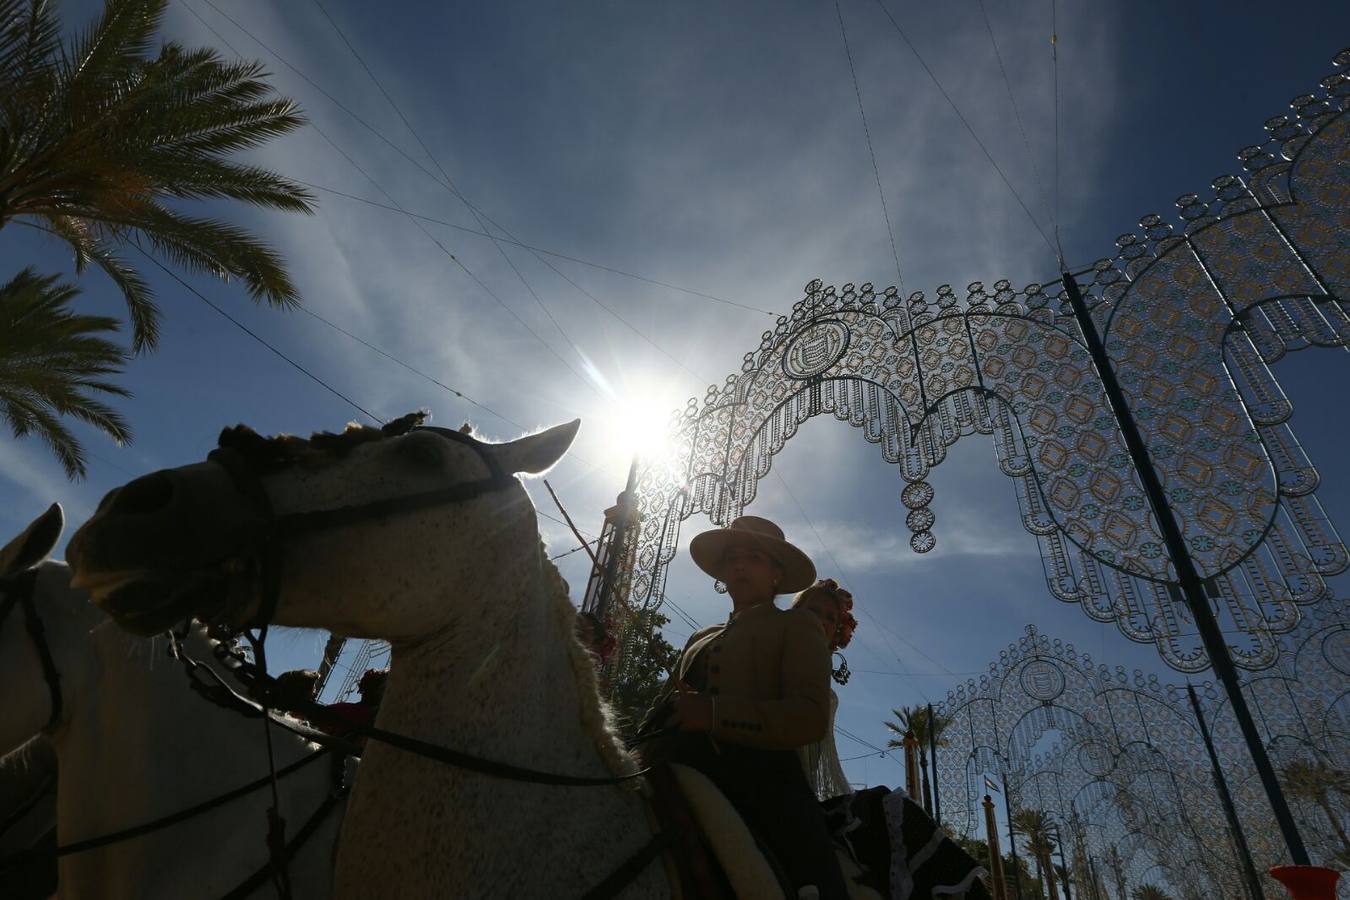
[(94, 146), (30, 35), (53, 363), (219, 249), (90, 246), (196, 179), (110, 50)]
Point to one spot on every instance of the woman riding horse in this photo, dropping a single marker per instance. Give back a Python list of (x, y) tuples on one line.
[(747, 694)]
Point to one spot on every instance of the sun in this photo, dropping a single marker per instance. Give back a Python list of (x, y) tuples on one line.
[(637, 424)]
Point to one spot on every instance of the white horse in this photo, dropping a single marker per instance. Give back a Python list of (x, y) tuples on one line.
[(134, 744), (438, 552)]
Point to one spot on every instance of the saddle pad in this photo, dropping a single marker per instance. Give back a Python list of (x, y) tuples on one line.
[(749, 872)]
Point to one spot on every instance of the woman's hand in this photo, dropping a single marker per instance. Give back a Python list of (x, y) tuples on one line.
[(692, 711)]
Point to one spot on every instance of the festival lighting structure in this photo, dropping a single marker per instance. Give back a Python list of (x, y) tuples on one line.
[(1148, 441)]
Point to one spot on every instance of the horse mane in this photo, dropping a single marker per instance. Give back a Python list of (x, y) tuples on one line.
[(596, 715), (272, 454)]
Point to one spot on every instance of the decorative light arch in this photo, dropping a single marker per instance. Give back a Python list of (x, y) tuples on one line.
[(1191, 316), (1121, 753)]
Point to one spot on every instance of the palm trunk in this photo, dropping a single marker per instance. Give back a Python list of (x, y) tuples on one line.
[(1050, 877)]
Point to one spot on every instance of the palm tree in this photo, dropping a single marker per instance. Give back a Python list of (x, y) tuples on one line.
[(1117, 866), (99, 139), (1151, 892), (914, 719), (51, 361), (1315, 781), (1036, 827)]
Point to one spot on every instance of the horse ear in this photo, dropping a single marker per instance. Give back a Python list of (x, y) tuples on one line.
[(536, 453), (32, 545)]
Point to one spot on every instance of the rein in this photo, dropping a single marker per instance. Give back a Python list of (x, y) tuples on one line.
[(183, 815), (260, 688), (19, 589), (260, 684)]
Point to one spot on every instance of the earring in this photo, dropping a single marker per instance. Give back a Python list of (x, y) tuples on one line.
[(841, 674)]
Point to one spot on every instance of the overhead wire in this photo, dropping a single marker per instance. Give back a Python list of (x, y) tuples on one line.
[(863, 756), (1054, 65), (540, 250), (688, 619), (383, 138), (965, 122), (871, 151), (1017, 115), (257, 337), (861, 607), (479, 214), (586, 534), (397, 206), (459, 262), (876, 751), (418, 372), (576, 549), (449, 182), (480, 217), (339, 328), (389, 197)]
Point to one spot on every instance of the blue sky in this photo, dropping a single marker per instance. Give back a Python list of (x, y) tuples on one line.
[(718, 149)]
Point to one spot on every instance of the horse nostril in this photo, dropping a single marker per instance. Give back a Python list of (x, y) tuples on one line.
[(144, 495)]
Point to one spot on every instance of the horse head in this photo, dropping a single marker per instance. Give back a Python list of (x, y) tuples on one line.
[(341, 531), (43, 625)]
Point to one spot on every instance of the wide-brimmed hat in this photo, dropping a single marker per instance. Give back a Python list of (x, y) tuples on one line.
[(708, 548)]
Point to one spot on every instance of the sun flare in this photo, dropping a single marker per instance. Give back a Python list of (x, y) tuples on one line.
[(637, 424)]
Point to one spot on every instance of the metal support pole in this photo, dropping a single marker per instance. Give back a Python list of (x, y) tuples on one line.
[(1000, 887), (617, 542), (1096, 883), (1012, 837), (932, 755), (1192, 587), (1225, 798)]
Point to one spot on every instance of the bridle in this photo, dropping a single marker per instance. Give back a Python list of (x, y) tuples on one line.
[(259, 557), (18, 591)]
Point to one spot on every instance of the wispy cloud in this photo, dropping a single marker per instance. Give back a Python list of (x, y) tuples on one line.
[(29, 470), (865, 550)]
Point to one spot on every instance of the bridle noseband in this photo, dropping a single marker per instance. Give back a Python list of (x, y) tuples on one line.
[(260, 556), (18, 590)]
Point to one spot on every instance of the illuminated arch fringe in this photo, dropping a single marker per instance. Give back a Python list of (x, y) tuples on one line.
[(1117, 760), (1191, 315)]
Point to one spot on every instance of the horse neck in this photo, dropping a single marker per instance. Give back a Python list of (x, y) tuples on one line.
[(506, 690)]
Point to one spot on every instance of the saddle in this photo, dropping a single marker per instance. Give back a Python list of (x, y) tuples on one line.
[(716, 855)]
